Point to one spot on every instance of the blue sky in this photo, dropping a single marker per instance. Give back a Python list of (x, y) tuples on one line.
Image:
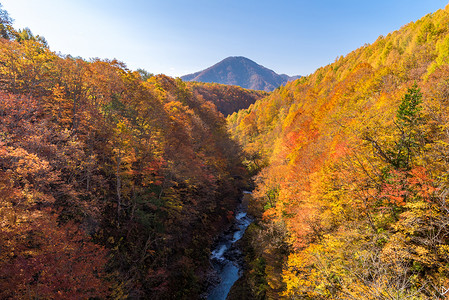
[(177, 37)]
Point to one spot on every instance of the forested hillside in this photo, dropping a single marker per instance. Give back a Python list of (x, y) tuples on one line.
[(112, 185), (227, 98), (352, 180)]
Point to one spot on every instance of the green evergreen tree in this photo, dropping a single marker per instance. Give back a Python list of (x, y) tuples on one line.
[(408, 122)]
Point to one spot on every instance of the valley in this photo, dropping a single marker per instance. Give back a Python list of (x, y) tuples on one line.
[(122, 184)]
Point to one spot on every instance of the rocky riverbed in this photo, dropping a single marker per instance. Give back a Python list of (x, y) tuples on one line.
[(226, 257)]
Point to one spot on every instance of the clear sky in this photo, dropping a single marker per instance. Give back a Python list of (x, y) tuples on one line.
[(177, 37)]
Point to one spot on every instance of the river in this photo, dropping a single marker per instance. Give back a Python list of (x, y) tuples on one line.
[(226, 258)]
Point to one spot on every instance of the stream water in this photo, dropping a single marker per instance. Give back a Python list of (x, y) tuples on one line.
[(226, 258)]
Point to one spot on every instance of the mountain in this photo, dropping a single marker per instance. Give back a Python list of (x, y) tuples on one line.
[(241, 71), (352, 191), (115, 184)]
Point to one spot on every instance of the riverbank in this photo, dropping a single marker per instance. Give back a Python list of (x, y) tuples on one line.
[(226, 257), (260, 261), (251, 284)]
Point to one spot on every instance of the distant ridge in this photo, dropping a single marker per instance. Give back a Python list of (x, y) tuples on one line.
[(241, 71)]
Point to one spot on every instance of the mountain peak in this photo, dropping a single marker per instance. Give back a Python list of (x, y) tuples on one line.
[(241, 71), (237, 58)]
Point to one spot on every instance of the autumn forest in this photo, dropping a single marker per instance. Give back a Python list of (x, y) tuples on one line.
[(114, 184)]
